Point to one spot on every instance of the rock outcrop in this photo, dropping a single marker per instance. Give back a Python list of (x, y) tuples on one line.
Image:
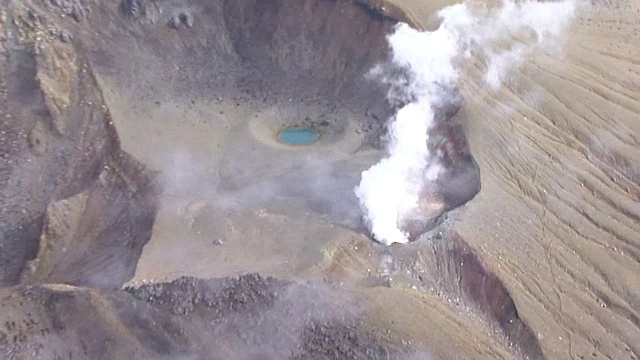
[(58, 142), (239, 318)]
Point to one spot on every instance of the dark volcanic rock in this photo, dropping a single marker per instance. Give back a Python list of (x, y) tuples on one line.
[(73, 8), (182, 296), (133, 8), (249, 317), (181, 19), (459, 178), (340, 341)]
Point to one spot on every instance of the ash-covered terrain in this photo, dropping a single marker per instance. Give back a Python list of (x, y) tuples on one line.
[(149, 210)]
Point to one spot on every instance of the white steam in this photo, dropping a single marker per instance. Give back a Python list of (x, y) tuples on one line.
[(502, 37)]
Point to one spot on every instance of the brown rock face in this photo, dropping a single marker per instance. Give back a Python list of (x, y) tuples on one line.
[(56, 138), (459, 179), (447, 265), (111, 220)]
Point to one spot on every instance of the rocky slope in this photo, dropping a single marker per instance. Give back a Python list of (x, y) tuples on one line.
[(62, 167), (245, 318), (559, 154)]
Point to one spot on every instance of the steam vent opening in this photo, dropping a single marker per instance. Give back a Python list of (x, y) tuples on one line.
[(298, 136)]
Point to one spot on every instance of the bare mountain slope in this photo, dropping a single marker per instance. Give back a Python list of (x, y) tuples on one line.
[(558, 219)]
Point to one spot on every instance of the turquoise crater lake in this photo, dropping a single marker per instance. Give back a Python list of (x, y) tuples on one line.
[(298, 136)]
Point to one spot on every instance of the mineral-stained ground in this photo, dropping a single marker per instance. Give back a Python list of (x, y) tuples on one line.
[(147, 210)]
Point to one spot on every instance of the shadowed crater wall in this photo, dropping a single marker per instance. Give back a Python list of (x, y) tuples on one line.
[(59, 146)]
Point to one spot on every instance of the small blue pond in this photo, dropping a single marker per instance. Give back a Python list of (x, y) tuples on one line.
[(298, 136)]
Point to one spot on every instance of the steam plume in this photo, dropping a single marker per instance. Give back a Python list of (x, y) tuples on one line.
[(502, 37)]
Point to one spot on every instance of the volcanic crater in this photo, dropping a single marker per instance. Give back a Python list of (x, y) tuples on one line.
[(149, 209)]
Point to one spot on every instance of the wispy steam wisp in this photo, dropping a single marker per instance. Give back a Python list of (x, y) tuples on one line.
[(502, 37)]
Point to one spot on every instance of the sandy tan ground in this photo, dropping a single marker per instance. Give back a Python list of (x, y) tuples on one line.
[(558, 217), (256, 225)]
